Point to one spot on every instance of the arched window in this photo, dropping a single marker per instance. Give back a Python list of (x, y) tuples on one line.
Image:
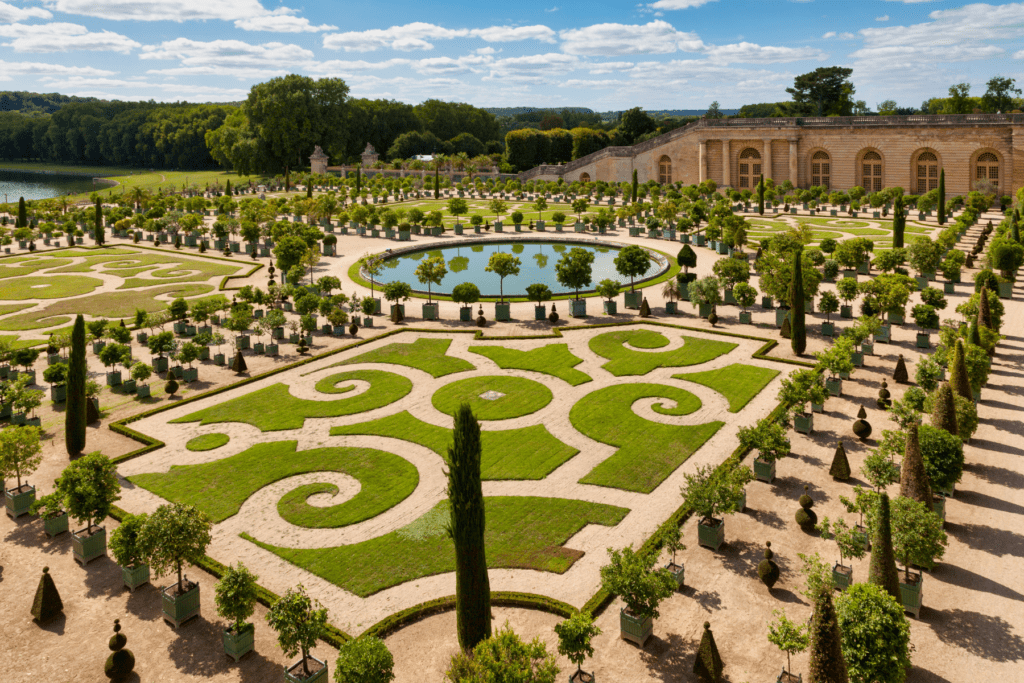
[(821, 169), (750, 167), (987, 168), (584, 177), (665, 170), (872, 172), (927, 172)]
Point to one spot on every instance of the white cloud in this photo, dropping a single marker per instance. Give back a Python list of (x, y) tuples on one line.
[(679, 4), (762, 54), (340, 66), (77, 83), (889, 57), (609, 67), (846, 36), (234, 53), (62, 37), (10, 14), (160, 10), (1018, 55), (553, 9), (488, 50), (281, 21), (884, 17), (408, 37), (585, 83), (10, 69), (969, 24), (504, 34), (450, 65), (257, 74), (656, 37), (830, 34)]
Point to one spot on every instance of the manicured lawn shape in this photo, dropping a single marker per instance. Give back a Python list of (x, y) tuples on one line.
[(423, 354), (522, 533), (819, 235), (129, 264), (16, 267), (737, 382), (648, 451), (207, 442), (553, 359), (866, 232), (834, 222), (525, 453), (274, 408), (522, 397), (48, 287), (219, 488), (623, 361)]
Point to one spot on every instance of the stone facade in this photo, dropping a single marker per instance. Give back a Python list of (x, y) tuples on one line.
[(874, 152), (318, 162), (369, 156)]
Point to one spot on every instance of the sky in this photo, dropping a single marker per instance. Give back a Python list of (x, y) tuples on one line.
[(601, 54)]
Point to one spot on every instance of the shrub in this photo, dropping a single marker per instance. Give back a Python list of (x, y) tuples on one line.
[(125, 542), (235, 595), (875, 634), (707, 666), (504, 657), (47, 603), (365, 659), (89, 488), (631, 576), (299, 621), (768, 569), (943, 455), (574, 636)]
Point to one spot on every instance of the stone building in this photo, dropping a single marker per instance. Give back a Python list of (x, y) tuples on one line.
[(369, 156), (318, 162), (838, 152)]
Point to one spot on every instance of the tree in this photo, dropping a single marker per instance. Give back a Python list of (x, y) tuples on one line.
[(290, 251), (632, 261), (823, 92), (999, 96), (944, 410), (47, 603), (768, 437), (827, 663), (959, 378), (707, 665), (686, 258), (236, 594), (882, 569), (798, 309), (788, 636), (899, 221), (707, 494), (175, 535), (631, 576), (575, 269), (634, 124), (75, 415), (942, 196), (538, 293), (875, 634), (20, 452), (540, 204), (89, 488), (574, 636), (760, 195), (959, 101), (431, 271), (299, 621), (98, 225), (917, 535), (466, 529), (457, 207), (365, 659), (504, 657), (125, 542), (503, 265), (634, 187), (22, 221), (913, 477)]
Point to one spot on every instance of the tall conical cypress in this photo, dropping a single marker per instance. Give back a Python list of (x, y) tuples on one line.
[(798, 310), (98, 229), (47, 603), (22, 221), (466, 529), (942, 197), (944, 410), (309, 189), (913, 477), (899, 222), (958, 377), (882, 569), (984, 311), (707, 665), (760, 196), (827, 663), (437, 183), (635, 186), (227, 188), (75, 408)]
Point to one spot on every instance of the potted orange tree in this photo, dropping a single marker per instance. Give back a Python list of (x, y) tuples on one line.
[(173, 536), (20, 454), (799, 389), (235, 595), (299, 621), (89, 487), (850, 544), (708, 493), (128, 551), (574, 636), (631, 576), (768, 438)]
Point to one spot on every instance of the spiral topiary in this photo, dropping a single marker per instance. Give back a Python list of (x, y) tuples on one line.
[(121, 661), (805, 516), (862, 428), (884, 397), (768, 569)]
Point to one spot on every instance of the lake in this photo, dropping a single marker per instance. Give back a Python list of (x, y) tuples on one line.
[(16, 184)]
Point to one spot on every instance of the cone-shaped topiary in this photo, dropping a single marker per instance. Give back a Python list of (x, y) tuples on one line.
[(913, 478), (786, 331), (974, 334), (47, 603), (645, 309), (708, 664), (798, 307), (882, 569), (944, 410), (884, 397), (121, 661), (827, 663), (92, 411), (958, 377), (862, 428), (238, 364), (984, 312), (900, 374), (768, 569), (553, 316), (805, 516), (840, 464), (712, 318)]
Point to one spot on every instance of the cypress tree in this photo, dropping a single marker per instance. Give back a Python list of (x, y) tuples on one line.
[(944, 410), (75, 407), (47, 603), (309, 189), (98, 230), (899, 223), (840, 468), (437, 184), (942, 197), (466, 529), (913, 478), (635, 184), (708, 664), (882, 569), (984, 311), (227, 188), (827, 663), (760, 196), (958, 377), (798, 310), (22, 221), (974, 334)]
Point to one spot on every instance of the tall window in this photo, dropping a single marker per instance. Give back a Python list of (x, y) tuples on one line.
[(872, 172), (750, 167), (665, 171), (987, 168), (927, 172), (584, 177), (821, 170)]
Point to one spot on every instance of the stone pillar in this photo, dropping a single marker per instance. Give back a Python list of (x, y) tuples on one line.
[(766, 167), (702, 162), (794, 163), (726, 164)]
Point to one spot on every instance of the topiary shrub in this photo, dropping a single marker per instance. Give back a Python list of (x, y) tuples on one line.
[(900, 374), (805, 516), (884, 397), (121, 661), (944, 409), (171, 387), (862, 428), (47, 603), (645, 309), (238, 364), (913, 476), (712, 318), (553, 316), (708, 664), (768, 569), (786, 331), (353, 329), (840, 468)]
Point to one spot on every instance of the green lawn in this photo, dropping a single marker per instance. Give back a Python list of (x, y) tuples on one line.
[(554, 359), (522, 397), (737, 382), (26, 265), (207, 442), (48, 287), (522, 533), (274, 408), (623, 361), (525, 453), (423, 354), (648, 451), (129, 264), (219, 488), (866, 232), (834, 222)]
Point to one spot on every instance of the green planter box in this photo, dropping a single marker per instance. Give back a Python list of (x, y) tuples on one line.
[(828, 329), (1005, 290), (18, 502), (257, 348), (896, 318), (143, 391), (867, 348), (883, 335), (97, 346), (160, 364), (635, 629), (767, 303), (817, 408), (578, 308), (114, 379), (746, 317), (430, 311), (764, 471), (911, 593), (924, 340), (191, 374), (804, 423), (846, 312), (177, 609), (466, 314), (611, 307), (728, 297), (59, 393), (711, 535), (55, 526), (242, 342), (834, 386), (704, 310), (671, 307), (780, 316), (502, 312), (85, 549), (295, 674), (939, 505), (849, 274), (178, 372), (677, 571), (949, 288), (540, 312), (135, 576), (237, 645), (271, 349), (842, 576), (633, 299), (858, 359)]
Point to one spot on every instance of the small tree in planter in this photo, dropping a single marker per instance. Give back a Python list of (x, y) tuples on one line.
[(538, 293), (128, 551), (632, 576), (632, 262), (20, 455), (502, 265), (609, 289), (849, 541), (768, 437), (575, 270), (466, 294), (574, 636), (235, 595), (828, 304), (365, 659), (57, 377), (706, 296), (866, 614), (745, 296), (707, 494), (396, 291), (173, 536), (790, 638), (89, 487), (799, 389), (111, 356), (141, 373), (431, 271), (838, 360), (299, 621), (159, 345)]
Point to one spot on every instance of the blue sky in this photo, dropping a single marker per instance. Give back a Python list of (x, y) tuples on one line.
[(665, 54)]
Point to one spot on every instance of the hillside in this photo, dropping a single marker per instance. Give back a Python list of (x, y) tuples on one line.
[(37, 103)]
